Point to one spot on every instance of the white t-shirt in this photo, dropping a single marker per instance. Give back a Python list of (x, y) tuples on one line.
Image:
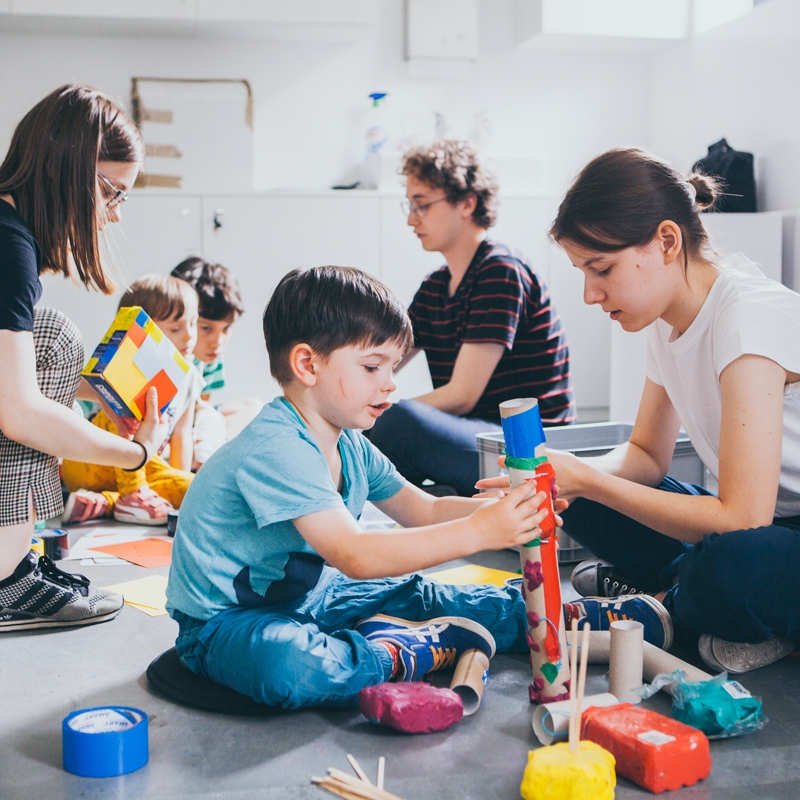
[(188, 394), (744, 313)]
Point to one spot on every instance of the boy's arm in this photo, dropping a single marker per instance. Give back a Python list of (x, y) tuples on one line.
[(181, 445), (336, 536), (413, 507)]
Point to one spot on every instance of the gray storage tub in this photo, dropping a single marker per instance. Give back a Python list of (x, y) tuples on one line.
[(593, 439)]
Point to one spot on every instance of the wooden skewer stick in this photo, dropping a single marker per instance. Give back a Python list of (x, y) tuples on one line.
[(574, 709), (582, 680), (357, 769), (337, 788), (359, 787), (381, 770)]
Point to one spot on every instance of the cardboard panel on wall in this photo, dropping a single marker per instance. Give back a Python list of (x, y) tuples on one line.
[(198, 134)]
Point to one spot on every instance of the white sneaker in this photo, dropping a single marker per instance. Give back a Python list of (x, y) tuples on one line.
[(142, 507), (737, 657)]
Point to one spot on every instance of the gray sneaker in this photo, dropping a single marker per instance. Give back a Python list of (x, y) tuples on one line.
[(598, 578), (40, 595), (739, 657)]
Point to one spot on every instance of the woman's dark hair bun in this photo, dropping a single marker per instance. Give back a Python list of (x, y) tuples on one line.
[(707, 189)]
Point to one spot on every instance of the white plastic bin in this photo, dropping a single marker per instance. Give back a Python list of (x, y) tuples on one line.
[(593, 439)]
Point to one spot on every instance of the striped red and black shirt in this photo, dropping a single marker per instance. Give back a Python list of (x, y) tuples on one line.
[(502, 300)]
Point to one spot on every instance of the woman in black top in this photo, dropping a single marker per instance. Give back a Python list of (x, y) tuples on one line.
[(71, 161)]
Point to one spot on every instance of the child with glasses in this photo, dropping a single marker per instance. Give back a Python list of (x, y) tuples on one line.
[(146, 496)]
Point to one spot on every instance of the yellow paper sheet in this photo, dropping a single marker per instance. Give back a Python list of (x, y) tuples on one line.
[(472, 573), (147, 594)]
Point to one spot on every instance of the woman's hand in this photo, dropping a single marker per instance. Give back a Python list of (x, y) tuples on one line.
[(153, 429), (500, 486)]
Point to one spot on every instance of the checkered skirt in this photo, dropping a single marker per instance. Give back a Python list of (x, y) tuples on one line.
[(59, 360)]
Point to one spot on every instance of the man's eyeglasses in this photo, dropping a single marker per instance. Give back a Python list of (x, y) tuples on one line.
[(117, 195), (418, 209)]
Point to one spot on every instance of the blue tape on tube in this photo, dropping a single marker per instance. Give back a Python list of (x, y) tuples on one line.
[(523, 433), (104, 741)]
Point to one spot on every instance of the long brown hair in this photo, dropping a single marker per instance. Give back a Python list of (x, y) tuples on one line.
[(51, 172), (621, 197)]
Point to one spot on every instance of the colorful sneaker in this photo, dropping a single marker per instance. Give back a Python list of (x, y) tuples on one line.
[(142, 507), (427, 646), (598, 578), (738, 657), (600, 612), (40, 595), (83, 505)]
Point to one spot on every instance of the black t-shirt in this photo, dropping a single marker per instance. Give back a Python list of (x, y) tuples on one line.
[(20, 262)]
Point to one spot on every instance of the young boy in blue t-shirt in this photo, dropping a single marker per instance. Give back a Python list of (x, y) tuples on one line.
[(278, 592)]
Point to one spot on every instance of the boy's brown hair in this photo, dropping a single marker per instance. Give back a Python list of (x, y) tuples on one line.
[(161, 296), (328, 308), (455, 167), (216, 287)]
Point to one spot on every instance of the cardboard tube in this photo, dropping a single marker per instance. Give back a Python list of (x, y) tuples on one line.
[(469, 679), (654, 659), (626, 662), (551, 720)]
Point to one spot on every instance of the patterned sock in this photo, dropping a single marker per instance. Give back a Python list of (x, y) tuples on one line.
[(395, 654), (574, 611)]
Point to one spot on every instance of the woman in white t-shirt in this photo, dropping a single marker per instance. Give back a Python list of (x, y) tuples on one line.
[(723, 361)]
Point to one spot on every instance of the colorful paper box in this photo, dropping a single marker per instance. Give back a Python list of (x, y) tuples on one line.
[(133, 356)]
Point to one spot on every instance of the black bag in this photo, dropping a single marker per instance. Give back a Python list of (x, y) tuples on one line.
[(735, 171)]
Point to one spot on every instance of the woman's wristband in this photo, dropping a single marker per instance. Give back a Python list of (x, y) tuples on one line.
[(145, 458)]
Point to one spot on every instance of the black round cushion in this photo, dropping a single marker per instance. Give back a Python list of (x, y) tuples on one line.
[(168, 676)]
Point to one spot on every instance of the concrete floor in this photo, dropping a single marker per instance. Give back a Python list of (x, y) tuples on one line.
[(45, 675)]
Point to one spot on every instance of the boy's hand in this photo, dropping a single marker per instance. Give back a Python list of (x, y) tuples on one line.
[(509, 522), (153, 430)]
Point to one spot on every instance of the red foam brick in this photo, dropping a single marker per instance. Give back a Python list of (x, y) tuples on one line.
[(652, 750)]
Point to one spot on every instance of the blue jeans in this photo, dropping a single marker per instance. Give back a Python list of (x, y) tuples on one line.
[(742, 585), (305, 653), (425, 443)]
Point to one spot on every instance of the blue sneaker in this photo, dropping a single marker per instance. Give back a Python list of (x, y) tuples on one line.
[(427, 646), (600, 612)]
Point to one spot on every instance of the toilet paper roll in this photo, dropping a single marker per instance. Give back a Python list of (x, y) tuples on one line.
[(655, 660), (626, 660), (551, 720), (469, 679)]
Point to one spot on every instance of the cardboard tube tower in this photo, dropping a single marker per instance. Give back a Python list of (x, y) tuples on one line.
[(526, 460)]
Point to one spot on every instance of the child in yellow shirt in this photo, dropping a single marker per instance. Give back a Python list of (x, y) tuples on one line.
[(146, 496)]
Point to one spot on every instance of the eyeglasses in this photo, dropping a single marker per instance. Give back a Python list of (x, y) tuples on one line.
[(118, 195), (418, 209)]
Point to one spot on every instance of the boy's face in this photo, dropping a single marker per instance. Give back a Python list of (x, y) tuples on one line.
[(354, 383), (181, 330), (213, 336)]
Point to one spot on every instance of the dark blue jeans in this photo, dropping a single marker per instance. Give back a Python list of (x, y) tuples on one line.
[(425, 443), (743, 585)]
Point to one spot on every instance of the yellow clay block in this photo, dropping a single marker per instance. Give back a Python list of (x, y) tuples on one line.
[(556, 773)]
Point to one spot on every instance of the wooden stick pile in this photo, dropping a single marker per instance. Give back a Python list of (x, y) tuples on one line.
[(345, 785), (577, 683)]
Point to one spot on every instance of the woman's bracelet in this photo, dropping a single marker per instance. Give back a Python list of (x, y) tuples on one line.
[(145, 458)]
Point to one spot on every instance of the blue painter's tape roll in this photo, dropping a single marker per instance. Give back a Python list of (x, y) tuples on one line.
[(523, 433), (104, 741)]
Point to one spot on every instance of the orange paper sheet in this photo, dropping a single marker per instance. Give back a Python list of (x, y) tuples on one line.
[(148, 553)]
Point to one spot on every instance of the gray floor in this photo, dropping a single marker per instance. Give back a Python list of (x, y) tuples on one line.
[(45, 675)]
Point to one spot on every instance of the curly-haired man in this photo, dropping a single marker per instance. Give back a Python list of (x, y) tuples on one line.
[(484, 320)]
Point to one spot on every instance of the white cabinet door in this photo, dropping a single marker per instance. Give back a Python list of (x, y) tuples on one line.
[(155, 234), (260, 239)]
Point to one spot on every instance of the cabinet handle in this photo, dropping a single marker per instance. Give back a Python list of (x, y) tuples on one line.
[(218, 212)]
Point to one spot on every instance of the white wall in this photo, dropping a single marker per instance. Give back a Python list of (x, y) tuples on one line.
[(311, 107), (311, 98), (739, 81)]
